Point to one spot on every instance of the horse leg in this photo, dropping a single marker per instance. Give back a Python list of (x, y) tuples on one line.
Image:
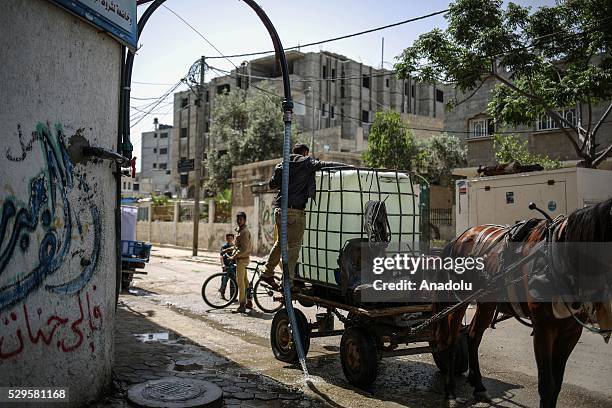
[(563, 347), (454, 326), (543, 342), (481, 320)]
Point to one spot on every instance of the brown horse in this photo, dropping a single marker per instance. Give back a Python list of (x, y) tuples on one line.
[(554, 338)]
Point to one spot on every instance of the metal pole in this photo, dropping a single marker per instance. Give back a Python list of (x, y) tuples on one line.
[(312, 136), (197, 162)]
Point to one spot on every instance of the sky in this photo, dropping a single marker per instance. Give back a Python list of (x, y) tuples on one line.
[(168, 47)]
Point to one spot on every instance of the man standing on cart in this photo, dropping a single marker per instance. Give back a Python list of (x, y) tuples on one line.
[(302, 186)]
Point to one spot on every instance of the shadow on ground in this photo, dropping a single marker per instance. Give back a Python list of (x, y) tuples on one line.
[(145, 351)]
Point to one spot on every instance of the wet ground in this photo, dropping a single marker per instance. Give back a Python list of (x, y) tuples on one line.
[(171, 293)]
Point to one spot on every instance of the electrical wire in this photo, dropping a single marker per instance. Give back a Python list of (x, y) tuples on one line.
[(342, 37)]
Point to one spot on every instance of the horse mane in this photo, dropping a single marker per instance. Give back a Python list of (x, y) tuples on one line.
[(590, 224)]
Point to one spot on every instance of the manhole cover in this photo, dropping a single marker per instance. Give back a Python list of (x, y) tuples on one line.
[(172, 392)]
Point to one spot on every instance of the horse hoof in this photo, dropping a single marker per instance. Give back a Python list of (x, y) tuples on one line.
[(482, 396), (455, 402)]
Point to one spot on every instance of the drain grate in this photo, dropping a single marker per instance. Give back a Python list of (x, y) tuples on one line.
[(173, 392)]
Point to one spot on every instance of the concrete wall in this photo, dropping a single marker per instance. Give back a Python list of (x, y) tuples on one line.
[(180, 234), (59, 83)]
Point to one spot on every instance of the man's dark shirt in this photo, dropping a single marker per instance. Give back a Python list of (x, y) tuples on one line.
[(301, 179)]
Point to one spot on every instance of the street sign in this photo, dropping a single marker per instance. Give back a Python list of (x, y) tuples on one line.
[(116, 17), (185, 165)]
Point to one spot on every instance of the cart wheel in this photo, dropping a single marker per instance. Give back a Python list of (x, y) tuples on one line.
[(281, 336), (359, 356), (461, 355), (126, 281)]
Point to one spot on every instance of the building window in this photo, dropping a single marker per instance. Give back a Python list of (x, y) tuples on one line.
[(124, 186), (333, 76), (546, 122), (482, 127), (324, 110), (155, 136), (184, 102), (163, 135), (136, 187), (207, 127), (406, 89), (365, 116), (413, 90), (163, 150), (154, 150), (342, 91), (183, 132), (154, 165), (332, 114), (223, 89), (324, 71), (207, 96), (387, 82), (439, 95), (163, 166), (365, 82), (168, 172)]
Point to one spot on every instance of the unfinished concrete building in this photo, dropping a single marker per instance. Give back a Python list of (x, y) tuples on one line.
[(335, 100)]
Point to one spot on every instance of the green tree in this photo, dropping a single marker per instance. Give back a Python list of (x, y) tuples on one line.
[(511, 148), (439, 155), (541, 61), (250, 127), (390, 143)]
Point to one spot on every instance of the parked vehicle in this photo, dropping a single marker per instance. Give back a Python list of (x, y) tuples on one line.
[(134, 254)]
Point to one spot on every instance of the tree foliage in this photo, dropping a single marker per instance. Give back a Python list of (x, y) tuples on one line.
[(439, 155), (390, 143), (249, 126), (511, 148), (541, 60), (392, 146)]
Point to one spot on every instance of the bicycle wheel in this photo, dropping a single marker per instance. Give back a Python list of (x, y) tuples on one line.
[(215, 295), (263, 295)]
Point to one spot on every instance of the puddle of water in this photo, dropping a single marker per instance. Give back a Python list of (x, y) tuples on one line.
[(162, 336)]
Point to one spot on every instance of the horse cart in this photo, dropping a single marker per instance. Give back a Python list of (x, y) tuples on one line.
[(358, 207)]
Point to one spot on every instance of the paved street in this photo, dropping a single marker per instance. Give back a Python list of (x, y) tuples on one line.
[(169, 300)]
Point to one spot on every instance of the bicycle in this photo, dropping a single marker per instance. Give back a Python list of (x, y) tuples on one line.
[(215, 290)]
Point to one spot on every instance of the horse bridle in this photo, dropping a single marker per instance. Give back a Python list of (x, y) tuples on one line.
[(551, 227)]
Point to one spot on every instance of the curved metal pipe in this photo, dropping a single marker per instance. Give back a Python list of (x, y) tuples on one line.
[(126, 147), (287, 107), (287, 113)]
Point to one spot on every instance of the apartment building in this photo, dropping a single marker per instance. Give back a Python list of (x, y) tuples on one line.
[(335, 100), (155, 158), (470, 122)]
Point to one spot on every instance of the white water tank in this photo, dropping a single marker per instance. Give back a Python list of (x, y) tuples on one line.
[(336, 215)]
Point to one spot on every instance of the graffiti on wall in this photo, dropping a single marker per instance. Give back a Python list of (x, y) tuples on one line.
[(49, 241), (44, 329), (267, 234)]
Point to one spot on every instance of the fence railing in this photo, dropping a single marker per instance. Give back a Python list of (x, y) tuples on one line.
[(440, 216)]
